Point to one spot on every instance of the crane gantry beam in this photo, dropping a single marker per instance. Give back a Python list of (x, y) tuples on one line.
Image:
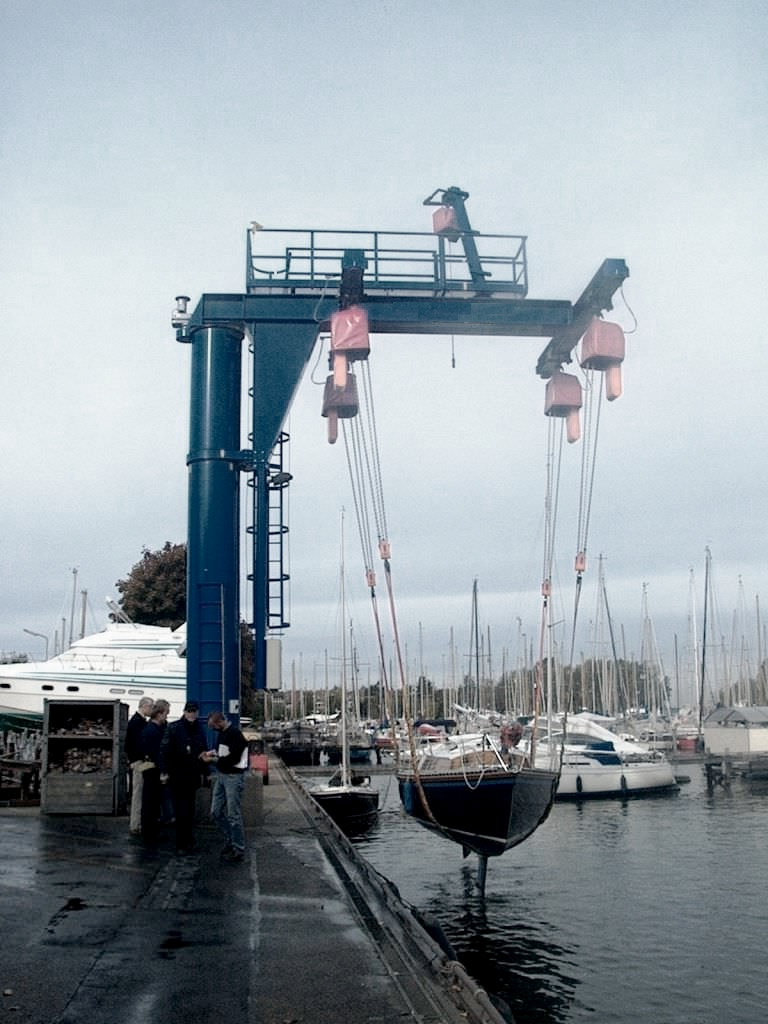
[(289, 298)]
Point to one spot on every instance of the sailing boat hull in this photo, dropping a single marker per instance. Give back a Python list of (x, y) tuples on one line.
[(353, 808), (485, 811)]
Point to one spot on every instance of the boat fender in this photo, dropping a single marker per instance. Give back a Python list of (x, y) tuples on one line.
[(579, 784), (624, 785)]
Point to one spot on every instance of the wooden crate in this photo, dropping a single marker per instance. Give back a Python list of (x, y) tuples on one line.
[(83, 760)]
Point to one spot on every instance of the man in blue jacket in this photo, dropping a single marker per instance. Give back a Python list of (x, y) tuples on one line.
[(231, 761)]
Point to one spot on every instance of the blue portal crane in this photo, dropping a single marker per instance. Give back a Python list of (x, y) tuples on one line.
[(453, 280)]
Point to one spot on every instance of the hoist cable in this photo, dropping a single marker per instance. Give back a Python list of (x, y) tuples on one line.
[(554, 456), (406, 706), (377, 487), (358, 499), (353, 447), (591, 435), (592, 409), (552, 495), (364, 468)]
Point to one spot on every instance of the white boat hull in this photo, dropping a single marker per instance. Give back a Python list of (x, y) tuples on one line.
[(582, 777)]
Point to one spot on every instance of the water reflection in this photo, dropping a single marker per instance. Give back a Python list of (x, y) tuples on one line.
[(611, 911), (516, 957)]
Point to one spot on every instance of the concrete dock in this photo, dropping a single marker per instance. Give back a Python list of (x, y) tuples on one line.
[(97, 930)]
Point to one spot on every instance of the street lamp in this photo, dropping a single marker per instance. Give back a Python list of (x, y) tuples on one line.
[(42, 636)]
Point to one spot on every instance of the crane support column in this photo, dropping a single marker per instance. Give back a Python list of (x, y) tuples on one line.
[(213, 599)]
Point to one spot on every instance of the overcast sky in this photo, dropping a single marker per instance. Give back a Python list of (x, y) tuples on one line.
[(140, 139)]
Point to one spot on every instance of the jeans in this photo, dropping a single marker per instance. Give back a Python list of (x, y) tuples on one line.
[(227, 808)]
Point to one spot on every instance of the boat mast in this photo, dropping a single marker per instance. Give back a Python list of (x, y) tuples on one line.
[(72, 613), (620, 695), (677, 676), (760, 696), (476, 637), (707, 561)]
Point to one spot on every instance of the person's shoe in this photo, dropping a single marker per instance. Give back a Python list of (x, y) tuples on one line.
[(233, 857)]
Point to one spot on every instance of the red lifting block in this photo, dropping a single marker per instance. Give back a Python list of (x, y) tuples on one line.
[(563, 398), (562, 395), (444, 223), (602, 346), (349, 332), (342, 401)]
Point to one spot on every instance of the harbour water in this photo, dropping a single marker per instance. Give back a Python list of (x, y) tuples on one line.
[(650, 910)]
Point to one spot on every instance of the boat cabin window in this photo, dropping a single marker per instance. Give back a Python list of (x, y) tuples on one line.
[(116, 689), (46, 686), (136, 693), (73, 689), (5, 686)]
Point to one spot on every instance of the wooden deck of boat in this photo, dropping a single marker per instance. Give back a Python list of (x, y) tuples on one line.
[(99, 929)]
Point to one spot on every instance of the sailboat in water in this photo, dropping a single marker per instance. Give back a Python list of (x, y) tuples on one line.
[(347, 797)]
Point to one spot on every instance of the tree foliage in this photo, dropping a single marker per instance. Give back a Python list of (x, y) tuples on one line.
[(155, 590), (155, 593)]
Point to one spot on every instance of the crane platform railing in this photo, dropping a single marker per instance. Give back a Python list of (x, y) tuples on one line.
[(306, 261)]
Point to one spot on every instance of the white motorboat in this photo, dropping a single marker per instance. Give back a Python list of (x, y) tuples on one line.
[(598, 763), (125, 661)]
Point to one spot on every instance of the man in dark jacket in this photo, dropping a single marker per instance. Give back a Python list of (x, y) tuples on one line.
[(181, 750), (231, 761), (133, 733), (152, 789)]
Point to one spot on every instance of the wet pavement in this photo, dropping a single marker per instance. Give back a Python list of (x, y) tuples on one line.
[(97, 930)]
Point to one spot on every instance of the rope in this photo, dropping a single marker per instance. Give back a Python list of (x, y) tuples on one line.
[(592, 409), (377, 488), (364, 466), (588, 456), (555, 436)]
